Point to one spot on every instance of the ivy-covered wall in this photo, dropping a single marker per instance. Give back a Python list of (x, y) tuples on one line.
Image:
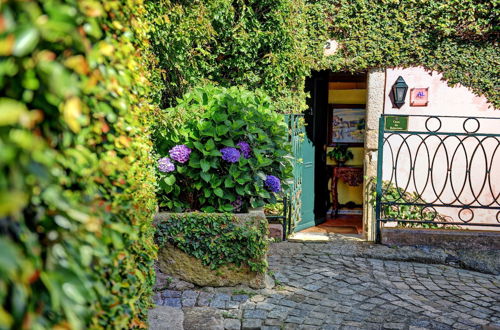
[(253, 43), (76, 174), (458, 38), (274, 44)]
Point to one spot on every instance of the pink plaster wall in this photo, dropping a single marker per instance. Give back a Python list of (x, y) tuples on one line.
[(443, 99), (446, 101)]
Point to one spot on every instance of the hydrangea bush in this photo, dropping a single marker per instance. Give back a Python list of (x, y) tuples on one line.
[(221, 150)]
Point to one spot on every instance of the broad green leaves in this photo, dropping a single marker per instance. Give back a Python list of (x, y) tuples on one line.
[(208, 181)]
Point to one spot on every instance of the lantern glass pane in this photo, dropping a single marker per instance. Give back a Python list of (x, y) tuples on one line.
[(400, 93)]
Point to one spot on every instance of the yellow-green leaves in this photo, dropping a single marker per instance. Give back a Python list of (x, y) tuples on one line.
[(72, 110), (11, 111), (76, 176), (11, 202)]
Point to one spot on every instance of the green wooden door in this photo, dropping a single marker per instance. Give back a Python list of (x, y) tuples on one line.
[(307, 198)]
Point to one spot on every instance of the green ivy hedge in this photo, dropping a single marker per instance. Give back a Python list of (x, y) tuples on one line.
[(274, 44), (458, 38), (217, 239), (251, 43), (76, 175)]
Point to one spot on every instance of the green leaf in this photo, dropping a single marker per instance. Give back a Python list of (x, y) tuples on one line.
[(198, 145), (237, 124), (240, 190), (206, 176), (228, 143), (26, 40), (208, 209), (215, 153), (194, 160), (227, 207), (205, 165), (210, 145), (169, 180), (228, 182), (222, 130), (220, 117), (219, 192), (11, 111)]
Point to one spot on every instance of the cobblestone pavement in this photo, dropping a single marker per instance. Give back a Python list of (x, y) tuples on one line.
[(319, 288)]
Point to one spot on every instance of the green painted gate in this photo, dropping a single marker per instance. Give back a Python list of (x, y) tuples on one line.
[(301, 195)]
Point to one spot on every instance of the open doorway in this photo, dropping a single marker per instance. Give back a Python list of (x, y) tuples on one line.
[(335, 131)]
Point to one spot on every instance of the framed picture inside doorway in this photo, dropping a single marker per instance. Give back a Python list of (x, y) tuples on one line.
[(346, 124)]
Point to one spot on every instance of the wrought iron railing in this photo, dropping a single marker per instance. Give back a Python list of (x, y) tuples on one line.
[(438, 171)]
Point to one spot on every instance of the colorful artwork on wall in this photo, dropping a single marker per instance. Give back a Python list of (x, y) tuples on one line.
[(347, 125)]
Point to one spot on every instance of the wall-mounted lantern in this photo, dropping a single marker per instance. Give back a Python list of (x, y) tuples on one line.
[(399, 90)]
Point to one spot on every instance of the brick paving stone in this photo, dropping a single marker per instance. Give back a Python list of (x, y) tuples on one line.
[(232, 324), (294, 319), (248, 305), (171, 294), (273, 322), (251, 324), (299, 313), (313, 321), (233, 313), (188, 302), (254, 314), (216, 303), (190, 294), (172, 302), (265, 306), (232, 304), (240, 297), (222, 296)]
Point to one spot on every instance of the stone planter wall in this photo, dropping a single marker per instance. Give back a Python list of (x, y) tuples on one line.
[(174, 262)]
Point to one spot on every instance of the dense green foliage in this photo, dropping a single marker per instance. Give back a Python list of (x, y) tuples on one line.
[(274, 44), (217, 239), (393, 194), (456, 37), (76, 176), (255, 43), (206, 120)]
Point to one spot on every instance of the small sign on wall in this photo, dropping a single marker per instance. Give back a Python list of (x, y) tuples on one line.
[(419, 97), (396, 123)]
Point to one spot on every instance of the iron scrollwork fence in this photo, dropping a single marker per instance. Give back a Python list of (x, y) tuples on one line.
[(438, 171)]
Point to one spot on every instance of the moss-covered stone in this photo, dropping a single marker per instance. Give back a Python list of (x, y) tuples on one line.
[(182, 254), (177, 263)]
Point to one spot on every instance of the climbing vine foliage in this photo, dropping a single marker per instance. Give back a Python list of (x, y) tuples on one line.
[(217, 239), (458, 38), (252, 43), (275, 44), (76, 177)]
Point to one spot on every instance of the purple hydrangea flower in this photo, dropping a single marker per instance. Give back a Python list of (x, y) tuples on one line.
[(237, 204), (272, 183), (231, 155), (245, 148), (180, 153), (165, 165)]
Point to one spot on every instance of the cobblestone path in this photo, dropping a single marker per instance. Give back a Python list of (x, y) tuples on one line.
[(319, 288)]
